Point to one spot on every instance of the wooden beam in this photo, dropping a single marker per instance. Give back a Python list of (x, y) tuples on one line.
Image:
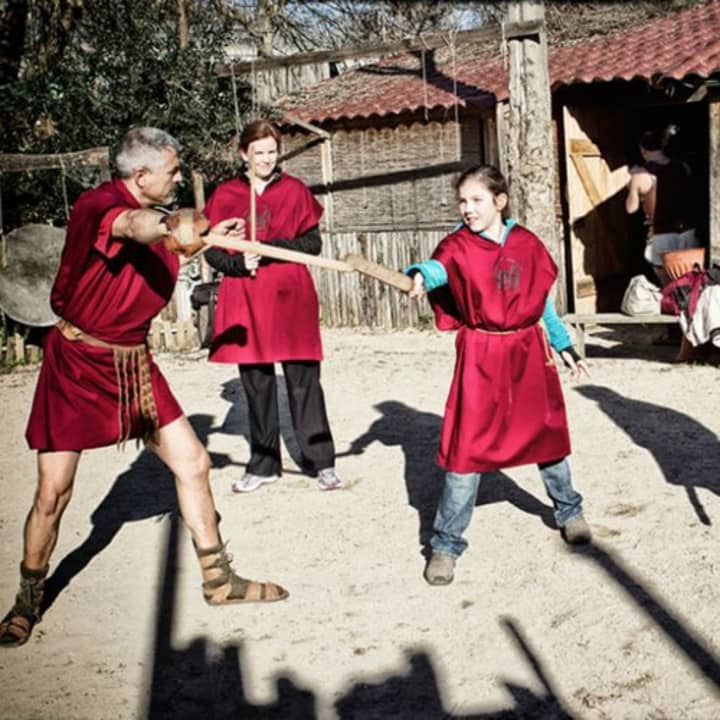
[(300, 149), (21, 162), (389, 178), (586, 179), (490, 34), (290, 118), (581, 146), (529, 29), (714, 191), (530, 152)]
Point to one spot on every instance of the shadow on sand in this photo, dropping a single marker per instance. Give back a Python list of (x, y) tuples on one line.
[(203, 680), (145, 490), (686, 451), (416, 433)]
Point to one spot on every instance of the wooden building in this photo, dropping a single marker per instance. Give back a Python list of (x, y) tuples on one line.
[(380, 145)]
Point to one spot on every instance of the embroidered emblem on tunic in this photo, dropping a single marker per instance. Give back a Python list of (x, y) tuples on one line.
[(507, 274)]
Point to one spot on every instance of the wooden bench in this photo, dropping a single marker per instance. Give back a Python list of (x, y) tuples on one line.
[(580, 321)]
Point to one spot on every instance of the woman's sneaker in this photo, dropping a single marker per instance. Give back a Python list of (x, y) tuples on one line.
[(249, 482), (328, 479)]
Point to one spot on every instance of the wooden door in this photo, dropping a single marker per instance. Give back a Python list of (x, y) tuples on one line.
[(597, 175)]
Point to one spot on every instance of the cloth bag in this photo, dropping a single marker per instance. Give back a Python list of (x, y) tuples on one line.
[(203, 299), (641, 297)]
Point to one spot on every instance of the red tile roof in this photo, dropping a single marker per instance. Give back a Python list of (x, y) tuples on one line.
[(676, 46)]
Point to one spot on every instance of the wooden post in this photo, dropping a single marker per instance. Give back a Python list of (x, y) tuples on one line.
[(198, 183), (529, 152), (19, 348), (326, 167), (714, 165)]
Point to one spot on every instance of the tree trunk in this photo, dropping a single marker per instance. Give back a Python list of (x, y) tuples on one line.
[(183, 31), (264, 13), (13, 25)]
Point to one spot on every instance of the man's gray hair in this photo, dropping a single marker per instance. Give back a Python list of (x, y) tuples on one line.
[(142, 147)]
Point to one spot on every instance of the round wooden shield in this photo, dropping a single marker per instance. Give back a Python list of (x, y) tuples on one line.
[(32, 254)]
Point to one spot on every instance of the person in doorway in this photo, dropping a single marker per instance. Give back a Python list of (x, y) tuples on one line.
[(98, 382), (267, 311), (662, 187), (490, 280)]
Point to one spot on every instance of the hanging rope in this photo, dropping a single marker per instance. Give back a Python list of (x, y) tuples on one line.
[(503, 46), (253, 94), (235, 102), (3, 243), (456, 101), (424, 77), (362, 167), (64, 188), (441, 136)]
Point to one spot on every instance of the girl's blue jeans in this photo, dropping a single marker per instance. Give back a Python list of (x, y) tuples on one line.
[(458, 500)]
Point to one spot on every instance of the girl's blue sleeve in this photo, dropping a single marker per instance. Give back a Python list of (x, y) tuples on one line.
[(433, 272), (556, 330)]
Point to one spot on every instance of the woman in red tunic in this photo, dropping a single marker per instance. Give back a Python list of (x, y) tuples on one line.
[(267, 311), (490, 280)]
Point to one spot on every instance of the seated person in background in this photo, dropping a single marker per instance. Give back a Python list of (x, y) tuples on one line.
[(662, 186)]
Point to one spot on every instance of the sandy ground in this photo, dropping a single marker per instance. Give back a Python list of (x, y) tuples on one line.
[(625, 629)]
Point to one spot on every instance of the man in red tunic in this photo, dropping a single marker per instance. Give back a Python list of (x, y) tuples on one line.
[(98, 383)]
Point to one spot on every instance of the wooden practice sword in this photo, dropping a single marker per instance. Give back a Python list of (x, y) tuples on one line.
[(349, 263)]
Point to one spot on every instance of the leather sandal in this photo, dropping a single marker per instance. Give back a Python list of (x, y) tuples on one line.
[(223, 587), (17, 626)]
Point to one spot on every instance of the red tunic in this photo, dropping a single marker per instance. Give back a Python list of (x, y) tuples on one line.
[(110, 289), (273, 316), (505, 406)]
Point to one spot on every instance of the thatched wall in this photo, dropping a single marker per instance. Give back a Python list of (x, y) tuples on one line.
[(395, 177)]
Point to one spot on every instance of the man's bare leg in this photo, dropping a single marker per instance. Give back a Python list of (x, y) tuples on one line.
[(181, 450), (56, 473)]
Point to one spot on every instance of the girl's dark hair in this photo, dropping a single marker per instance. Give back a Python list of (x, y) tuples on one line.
[(652, 140), (258, 130), (488, 175)]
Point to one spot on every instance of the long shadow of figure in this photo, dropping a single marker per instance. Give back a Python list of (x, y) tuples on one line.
[(684, 639), (417, 434), (145, 490), (417, 696), (686, 451), (204, 680)]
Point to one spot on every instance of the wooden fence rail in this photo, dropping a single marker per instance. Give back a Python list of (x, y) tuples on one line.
[(346, 299)]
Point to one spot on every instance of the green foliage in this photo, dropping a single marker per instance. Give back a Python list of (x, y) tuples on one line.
[(121, 66)]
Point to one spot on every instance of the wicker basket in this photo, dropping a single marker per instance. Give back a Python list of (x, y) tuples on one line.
[(679, 262)]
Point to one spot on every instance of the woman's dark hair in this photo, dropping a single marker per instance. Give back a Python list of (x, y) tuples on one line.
[(488, 175), (258, 130), (653, 140)]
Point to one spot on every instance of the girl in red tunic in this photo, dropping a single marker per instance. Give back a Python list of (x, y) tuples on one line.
[(267, 311), (490, 280)]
